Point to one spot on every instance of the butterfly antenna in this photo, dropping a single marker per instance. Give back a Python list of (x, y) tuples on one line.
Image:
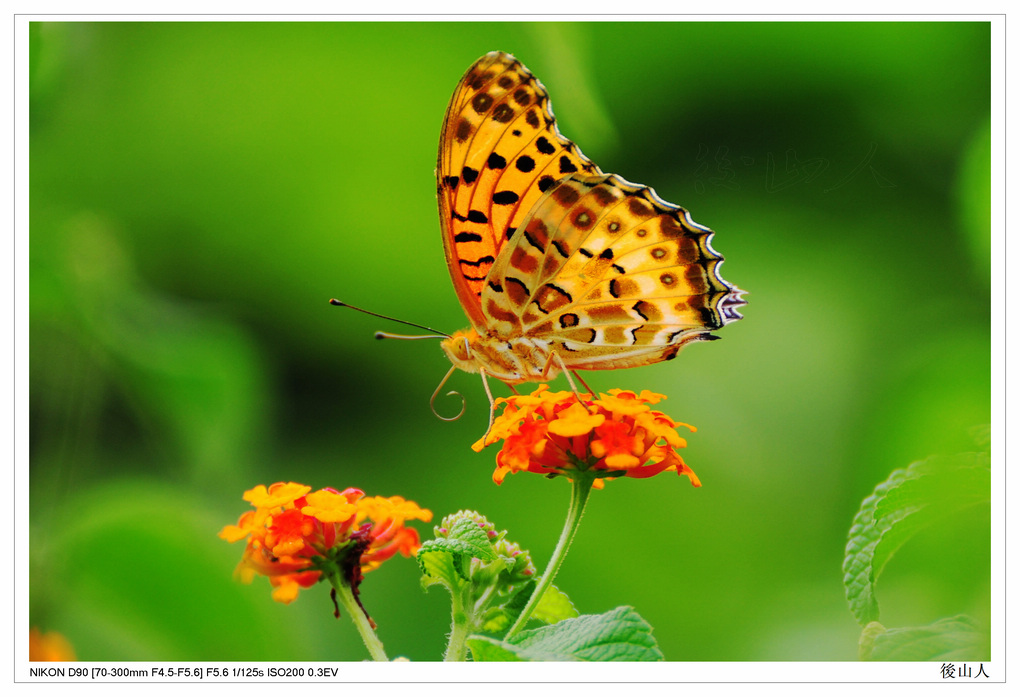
[(385, 335), (451, 393)]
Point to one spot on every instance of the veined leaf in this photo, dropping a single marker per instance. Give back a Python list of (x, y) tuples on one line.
[(554, 606), (950, 639), (618, 635), (905, 503)]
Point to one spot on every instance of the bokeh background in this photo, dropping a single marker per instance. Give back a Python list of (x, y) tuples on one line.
[(200, 190)]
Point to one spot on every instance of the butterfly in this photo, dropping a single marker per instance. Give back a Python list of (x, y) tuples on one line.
[(558, 265)]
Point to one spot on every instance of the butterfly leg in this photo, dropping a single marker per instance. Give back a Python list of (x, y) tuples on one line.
[(492, 403), (578, 376), (553, 356)]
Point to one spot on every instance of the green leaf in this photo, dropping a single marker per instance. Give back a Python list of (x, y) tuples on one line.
[(554, 606), (466, 538), (469, 531), (437, 567), (957, 638), (499, 619), (487, 649), (618, 635), (449, 557), (905, 503)]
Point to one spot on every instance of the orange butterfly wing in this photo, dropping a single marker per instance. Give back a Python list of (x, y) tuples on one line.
[(609, 275), (499, 151), (551, 257)]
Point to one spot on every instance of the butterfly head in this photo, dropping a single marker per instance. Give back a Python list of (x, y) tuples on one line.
[(458, 349)]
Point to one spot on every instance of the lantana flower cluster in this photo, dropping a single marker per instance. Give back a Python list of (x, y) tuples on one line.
[(616, 435), (51, 646), (295, 535)]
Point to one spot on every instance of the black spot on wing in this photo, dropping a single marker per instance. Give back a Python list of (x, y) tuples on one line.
[(478, 262), (525, 163), (544, 146)]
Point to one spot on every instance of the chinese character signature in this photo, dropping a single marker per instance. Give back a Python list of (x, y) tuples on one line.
[(718, 170), (963, 670)]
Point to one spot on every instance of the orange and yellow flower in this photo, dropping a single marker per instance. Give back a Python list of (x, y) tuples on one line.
[(295, 535), (616, 435), (51, 646)]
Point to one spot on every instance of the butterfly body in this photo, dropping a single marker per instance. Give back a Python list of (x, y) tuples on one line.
[(558, 265), (512, 360)]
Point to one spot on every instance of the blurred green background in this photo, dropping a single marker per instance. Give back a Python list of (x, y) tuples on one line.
[(200, 190)]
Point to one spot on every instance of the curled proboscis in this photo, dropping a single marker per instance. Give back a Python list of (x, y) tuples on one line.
[(451, 393)]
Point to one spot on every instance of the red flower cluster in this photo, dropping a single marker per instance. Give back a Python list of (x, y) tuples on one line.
[(616, 435), (292, 534)]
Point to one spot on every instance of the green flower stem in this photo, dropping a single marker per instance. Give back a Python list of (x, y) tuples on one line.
[(463, 625), (361, 621), (580, 488)]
